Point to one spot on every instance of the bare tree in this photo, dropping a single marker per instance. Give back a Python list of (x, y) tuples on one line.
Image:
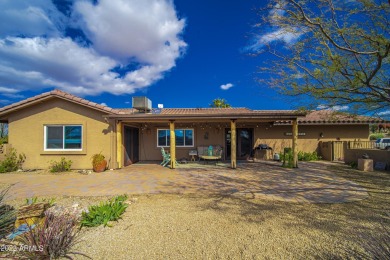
[(334, 52)]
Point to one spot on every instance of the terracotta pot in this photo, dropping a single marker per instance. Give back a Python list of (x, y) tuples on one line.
[(100, 167)]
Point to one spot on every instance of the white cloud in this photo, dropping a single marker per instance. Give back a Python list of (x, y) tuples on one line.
[(384, 113), (27, 19), (287, 34), (143, 35), (226, 86), (333, 108)]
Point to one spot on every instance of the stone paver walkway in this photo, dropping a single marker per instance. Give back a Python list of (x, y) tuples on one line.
[(311, 183)]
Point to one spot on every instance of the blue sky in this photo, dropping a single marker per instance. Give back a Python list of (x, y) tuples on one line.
[(178, 53)]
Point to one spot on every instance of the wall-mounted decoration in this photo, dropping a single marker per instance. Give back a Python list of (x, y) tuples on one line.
[(206, 135), (290, 134)]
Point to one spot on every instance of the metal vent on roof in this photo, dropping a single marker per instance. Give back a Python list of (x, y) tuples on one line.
[(142, 103)]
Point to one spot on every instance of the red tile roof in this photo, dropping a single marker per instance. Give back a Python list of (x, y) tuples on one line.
[(333, 117), (284, 116), (204, 111)]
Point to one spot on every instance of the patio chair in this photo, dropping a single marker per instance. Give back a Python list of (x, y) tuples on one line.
[(166, 158)]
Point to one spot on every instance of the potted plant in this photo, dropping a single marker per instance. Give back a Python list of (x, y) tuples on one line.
[(98, 162)]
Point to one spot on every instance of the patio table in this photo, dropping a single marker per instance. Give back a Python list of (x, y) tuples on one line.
[(210, 158)]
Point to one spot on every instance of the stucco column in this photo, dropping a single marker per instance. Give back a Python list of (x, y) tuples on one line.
[(119, 144), (295, 142), (173, 143), (233, 144)]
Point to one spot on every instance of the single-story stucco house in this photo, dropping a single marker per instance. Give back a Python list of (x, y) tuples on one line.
[(56, 124)]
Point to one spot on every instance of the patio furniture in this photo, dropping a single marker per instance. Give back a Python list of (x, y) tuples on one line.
[(193, 153), (211, 154), (166, 158)]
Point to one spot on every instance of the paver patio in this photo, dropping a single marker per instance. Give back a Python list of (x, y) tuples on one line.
[(312, 182)]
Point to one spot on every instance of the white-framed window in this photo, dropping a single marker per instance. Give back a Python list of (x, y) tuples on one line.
[(183, 137), (63, 137)]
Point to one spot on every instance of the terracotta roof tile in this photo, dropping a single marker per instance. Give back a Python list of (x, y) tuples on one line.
[(204, 111), (333, 117)]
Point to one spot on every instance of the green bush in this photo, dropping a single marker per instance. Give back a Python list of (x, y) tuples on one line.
[(12, 161), (4, 140), (287, 158), (377, 136), (61, 166), (105, 212), (307, 156), (353, 165)]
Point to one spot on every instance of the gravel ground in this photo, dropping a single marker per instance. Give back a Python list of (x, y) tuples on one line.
[(172, 226)]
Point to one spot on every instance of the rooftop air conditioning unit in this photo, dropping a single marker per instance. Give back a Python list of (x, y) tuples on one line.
[(142, 103)]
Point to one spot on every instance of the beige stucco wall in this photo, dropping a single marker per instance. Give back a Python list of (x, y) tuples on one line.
[(275, 136), (26, 133), (263, 134), (352, 155)]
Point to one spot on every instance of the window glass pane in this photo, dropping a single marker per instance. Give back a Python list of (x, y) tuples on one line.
[(54, 135), (182, 137), (163, 138), (179, 137), (72, 137), (189, 140)]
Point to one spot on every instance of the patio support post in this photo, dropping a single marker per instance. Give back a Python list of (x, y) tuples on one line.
[(233, 144), (119, 146), (173, 143), (295, 142)]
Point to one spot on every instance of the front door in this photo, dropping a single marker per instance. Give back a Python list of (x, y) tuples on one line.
[(244, 141), (131, 144)]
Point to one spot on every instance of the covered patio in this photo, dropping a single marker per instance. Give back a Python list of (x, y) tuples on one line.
[(135, 132)]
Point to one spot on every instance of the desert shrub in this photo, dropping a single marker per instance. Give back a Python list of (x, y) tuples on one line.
[(376, 136), (62, 166), (51, 239), (4, 140), (7, 215), (287, 158), (12, 161), (33, 200), (307, 156), (353, 165), (104, 212)]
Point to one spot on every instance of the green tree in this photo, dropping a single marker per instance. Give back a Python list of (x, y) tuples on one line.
[(220, 102), (335, 52), (3, 130), (3, 133)]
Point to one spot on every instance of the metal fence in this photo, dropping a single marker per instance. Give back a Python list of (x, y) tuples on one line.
[(361, 145)]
